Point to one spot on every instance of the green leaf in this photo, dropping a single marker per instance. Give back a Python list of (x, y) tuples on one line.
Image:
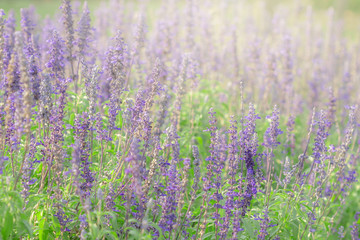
[(208, 234), (56, 225), (25, 227), (72, 119), (199, 141), (8, 225), (43, 229), (249, 227)]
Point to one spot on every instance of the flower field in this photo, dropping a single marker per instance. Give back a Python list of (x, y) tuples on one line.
[(196, 119)]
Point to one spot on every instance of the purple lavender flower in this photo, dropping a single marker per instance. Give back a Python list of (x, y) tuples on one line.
[(69, 28), (212, 150), (116, 64), (27, 22), (250, 124), (91, 75), (249, 193), (271, 141), (214, 167), (164, 103), (321, 136), (83, 225), (84, 32), (331, 109), (2, 43), (27, 181), (271, 134), (139, 36), (233, 149), (101, 132), (180, 90), (56, 61), (63, 219), (12, 86), (2, 161), (233, 167), (355, 227), (10, 135), (264, 225), (136, 167), (115, 70), (181, 193), (169, 202), (9, 38), (290, 137), (109, 199), (341, 232), (25, 82), (136, 112), (33, 69), (13, 74), (248, 135), (45, 101), (76, 171), (311, 221), (81, 131)]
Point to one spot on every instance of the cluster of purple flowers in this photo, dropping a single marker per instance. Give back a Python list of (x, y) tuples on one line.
[(110, 126)]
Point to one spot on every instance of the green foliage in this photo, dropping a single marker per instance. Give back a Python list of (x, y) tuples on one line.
[(14, 222)]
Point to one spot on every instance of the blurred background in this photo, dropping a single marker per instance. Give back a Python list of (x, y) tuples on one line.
[(44, 7), (347, 10)]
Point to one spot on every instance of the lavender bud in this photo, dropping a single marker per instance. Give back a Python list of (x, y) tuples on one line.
[(56, 60), (271, 134), (2, 42), (69, 27), (84, 31), (91, 86), (27, 23)]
